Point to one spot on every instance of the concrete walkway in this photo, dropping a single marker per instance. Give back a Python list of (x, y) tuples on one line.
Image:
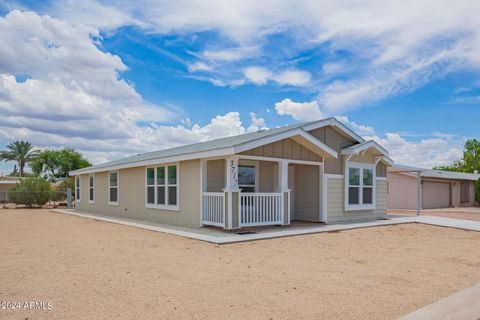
[(462, 213), (448, 222), (463, 305), (218, 236)]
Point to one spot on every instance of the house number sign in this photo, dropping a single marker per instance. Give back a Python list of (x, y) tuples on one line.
[(234, 172)]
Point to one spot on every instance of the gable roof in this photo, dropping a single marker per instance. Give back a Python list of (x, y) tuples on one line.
[(370, 144), (439, 174), (226, 146), (381, 153)]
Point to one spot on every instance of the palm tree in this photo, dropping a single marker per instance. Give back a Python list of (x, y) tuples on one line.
[(19, 151)]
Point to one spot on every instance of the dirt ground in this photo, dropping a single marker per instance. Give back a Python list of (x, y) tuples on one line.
[(467, 213), (96, 270)]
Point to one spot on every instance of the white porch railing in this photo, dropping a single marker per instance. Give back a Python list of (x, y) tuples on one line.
[(213, 209), (260, 209)]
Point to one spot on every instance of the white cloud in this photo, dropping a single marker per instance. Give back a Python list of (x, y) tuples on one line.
[(256, 123), (95, 14), (260, 76), (428, 153), (383, 40), (386, 36), (358, 128), (386, 81), (299, 111), (293, 77), (437, 150), (257, 75), (465, 99), (72, 88), (199, 66), (230, 54), (73, 96), (392, 48)]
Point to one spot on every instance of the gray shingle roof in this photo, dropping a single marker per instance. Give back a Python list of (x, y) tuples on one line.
[(450, 175), (429, 173), (197, 147)]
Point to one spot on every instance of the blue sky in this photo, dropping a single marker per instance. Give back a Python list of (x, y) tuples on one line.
[(113, 79)]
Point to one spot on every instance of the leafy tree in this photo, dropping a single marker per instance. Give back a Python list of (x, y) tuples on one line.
[(14, 172), (67, 183), (20, 151), (471, 156), (56, 164), (31, 191), (469, 163)]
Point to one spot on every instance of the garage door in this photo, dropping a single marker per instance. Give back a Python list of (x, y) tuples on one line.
[(435, 195)]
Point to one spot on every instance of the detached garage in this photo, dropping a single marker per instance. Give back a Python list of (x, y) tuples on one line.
[(438, 189)]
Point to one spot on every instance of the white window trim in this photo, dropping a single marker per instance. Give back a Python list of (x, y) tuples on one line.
[(361, 206), (114, 203), (163, 206), (91, 187), (78, 186)]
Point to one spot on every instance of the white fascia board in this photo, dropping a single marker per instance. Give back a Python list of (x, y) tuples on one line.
[(266, 140), (388, 161), (355, 149), (317, 124), (318, 143), (285, 135), (150, 162), (334, 123)]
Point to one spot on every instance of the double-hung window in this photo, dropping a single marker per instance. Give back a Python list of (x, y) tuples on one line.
[(360, 187), (113, 184), (162, 187), (77, 189), (91, 188)]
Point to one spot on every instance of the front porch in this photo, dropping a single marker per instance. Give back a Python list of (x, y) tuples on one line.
[(244, 191)]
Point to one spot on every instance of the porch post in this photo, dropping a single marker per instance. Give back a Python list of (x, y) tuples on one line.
[(419, 193), (283, 188), (232, 193)]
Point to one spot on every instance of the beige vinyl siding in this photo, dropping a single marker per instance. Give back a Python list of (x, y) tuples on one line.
[(132, 196), (215, 175), (336, 141), (267, 171), (285, 149), (336, 203), (381, 169)]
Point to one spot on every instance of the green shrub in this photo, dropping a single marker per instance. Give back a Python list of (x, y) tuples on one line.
[(31, 191)]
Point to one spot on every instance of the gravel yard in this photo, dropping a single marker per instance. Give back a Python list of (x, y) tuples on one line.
[(95, 270)]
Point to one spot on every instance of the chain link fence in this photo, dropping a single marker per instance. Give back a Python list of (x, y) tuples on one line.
[(46, 199)]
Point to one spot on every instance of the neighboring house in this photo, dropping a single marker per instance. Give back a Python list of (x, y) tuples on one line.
[(320, 171), (7, 183), (439, 189)]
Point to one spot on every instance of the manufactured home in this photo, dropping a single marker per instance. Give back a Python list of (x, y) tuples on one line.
[(319, 171), (436, 188)]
